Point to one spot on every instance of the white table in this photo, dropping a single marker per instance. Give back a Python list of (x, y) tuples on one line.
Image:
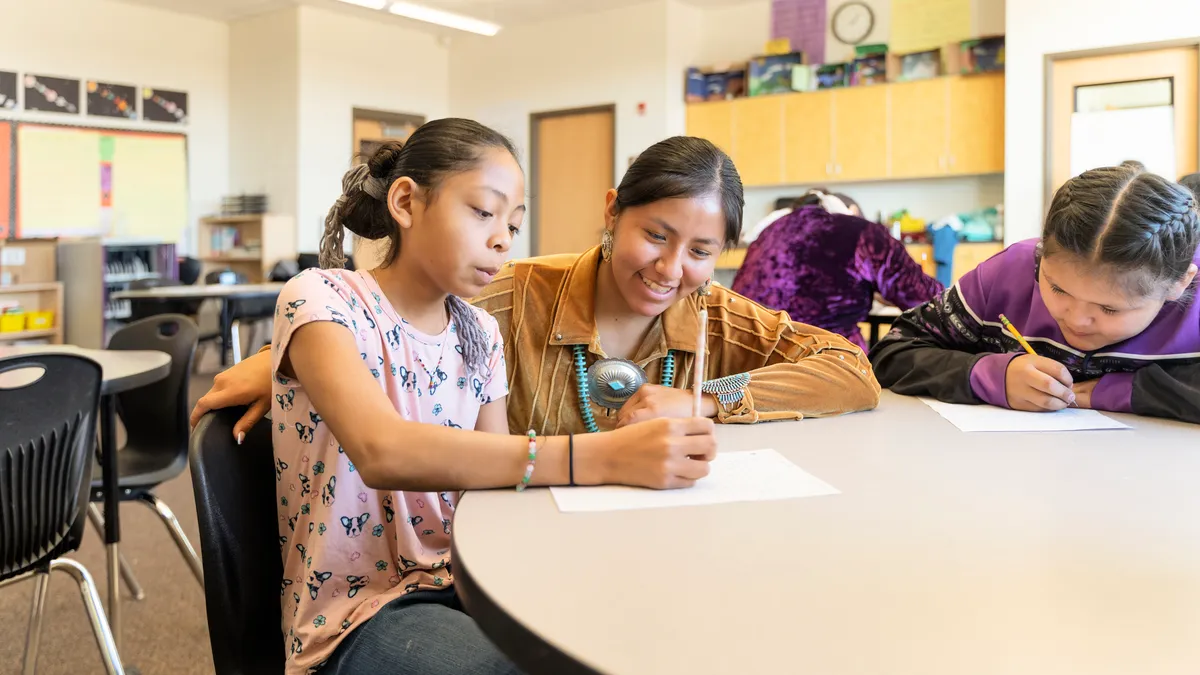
[(120, 371), (946, 554), (226, 293)]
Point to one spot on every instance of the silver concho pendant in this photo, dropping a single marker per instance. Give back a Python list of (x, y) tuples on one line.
[(612, 381)]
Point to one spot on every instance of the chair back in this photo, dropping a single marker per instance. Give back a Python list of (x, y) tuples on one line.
[(47, 433), (239, 530), (156, 415)]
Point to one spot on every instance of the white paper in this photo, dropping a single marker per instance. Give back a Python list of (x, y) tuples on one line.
[(972, 418), (1110, 137), (756, 475)]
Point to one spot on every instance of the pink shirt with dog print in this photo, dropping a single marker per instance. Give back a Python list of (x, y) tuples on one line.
[(348, 549)]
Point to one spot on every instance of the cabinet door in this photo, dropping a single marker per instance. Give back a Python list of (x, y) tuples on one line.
[(969, 255), (860, 133), (758, 139), (977, 124), (923, 254), (919, 128), (712, 120), (808, 137)]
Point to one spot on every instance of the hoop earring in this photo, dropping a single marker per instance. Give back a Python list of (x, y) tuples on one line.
[(705, 288), (606, 245)]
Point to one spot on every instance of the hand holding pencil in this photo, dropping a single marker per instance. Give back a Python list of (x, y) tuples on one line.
[(1035, 383)]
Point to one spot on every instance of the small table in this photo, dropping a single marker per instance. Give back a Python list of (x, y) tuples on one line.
[(880, 315), (120, 371), (226, 293), (945, 553)]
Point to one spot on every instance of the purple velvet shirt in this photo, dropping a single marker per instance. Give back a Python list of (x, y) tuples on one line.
[(824, 270)]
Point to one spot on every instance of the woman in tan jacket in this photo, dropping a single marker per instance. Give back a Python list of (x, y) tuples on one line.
[(632, 303)]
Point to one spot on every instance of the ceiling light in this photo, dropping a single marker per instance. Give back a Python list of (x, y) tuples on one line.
[(369, 4), (439, 17)]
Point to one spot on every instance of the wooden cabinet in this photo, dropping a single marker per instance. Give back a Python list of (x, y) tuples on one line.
[(808, 143), (758, 139), (918, 127), (712, 120), (976, 128), (946, 126), (860, 133)]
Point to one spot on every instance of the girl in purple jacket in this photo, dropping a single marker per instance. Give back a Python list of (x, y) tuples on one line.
[(1105, 298)]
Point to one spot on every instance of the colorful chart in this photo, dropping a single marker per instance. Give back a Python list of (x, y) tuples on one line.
[(51, 94), (8, 90), (111, 100), (161, 105)]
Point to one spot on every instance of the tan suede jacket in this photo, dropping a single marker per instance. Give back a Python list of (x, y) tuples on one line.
[(545, 306)]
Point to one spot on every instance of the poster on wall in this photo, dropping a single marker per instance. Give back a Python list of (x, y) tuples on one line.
[(163, 105), (51, 94), (111, 100), (8, 90)]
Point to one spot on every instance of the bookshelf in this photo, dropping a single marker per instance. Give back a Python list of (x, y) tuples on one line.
[(249, 245)]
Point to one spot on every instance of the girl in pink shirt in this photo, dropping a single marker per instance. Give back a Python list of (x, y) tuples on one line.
[(383, 381)]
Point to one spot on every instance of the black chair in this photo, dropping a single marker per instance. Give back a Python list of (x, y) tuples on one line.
[(46, 440), (156, 424), (254, 310), (189, 270), (239, 528)]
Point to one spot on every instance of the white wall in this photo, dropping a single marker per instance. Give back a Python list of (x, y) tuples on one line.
[(615, 56), (264, 83), (1035, 29), (348, 62), (135, 45)]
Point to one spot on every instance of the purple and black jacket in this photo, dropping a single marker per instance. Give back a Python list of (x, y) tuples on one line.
[(954, 349)]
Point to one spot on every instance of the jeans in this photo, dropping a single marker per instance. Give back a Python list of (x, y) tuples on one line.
[(423, 633)]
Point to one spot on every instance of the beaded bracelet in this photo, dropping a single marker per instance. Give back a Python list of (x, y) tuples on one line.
[(532, 458)]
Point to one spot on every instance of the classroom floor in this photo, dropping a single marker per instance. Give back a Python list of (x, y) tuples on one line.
[(164, 634)]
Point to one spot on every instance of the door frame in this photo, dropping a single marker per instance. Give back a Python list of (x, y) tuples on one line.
[(534, 118), (1048, 98)]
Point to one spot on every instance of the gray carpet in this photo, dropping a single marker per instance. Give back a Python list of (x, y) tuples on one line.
[(164, 634)]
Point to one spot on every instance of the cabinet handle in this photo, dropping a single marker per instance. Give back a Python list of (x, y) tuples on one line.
[(952, 161), (942, 162), (838, 169), (828, 168)]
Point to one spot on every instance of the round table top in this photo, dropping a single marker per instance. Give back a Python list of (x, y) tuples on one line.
[(945, 553), (122, 370)]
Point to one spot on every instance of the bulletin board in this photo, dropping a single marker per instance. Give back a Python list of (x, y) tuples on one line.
[(6, 179), (77, 181)]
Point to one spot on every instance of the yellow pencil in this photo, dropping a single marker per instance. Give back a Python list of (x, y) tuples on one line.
[(1017, 334)]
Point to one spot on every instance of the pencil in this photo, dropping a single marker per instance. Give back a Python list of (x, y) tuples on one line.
[(1017, 334), (701, 345)]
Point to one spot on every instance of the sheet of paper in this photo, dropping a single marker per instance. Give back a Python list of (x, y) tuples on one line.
[(990, 418), (756, 475), (803, 23), (918, 25)]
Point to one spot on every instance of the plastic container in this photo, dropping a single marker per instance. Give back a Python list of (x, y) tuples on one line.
[(39, 320), (12, 322)]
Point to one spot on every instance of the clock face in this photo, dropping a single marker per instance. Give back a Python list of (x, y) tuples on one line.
[(852, 22)]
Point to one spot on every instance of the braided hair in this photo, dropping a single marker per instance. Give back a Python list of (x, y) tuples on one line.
[(1124, 218), (434, 151)]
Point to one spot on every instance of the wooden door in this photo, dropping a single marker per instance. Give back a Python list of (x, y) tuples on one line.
[(860, 146), (758, 139), (976, 124), (712, 120), (573, 167), (1178, 64), (919, 127), (808, 138)]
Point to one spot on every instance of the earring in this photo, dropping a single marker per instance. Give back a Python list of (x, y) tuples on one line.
[(606, 244), (705, 288)]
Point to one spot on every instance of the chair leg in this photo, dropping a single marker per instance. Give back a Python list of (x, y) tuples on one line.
[(135, 589), (36, 612), (168, 517), (95, 610), (235, 340)]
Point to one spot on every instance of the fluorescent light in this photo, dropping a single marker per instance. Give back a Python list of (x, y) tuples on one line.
[(369, 4), (441, 18)]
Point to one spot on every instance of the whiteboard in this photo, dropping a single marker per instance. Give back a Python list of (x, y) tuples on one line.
[(61, 173), (1109, 137)]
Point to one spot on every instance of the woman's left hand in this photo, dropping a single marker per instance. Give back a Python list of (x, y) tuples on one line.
[(1083, 393), (652, 401)]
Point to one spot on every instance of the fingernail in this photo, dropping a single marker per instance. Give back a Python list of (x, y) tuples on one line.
[(241, 437)]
